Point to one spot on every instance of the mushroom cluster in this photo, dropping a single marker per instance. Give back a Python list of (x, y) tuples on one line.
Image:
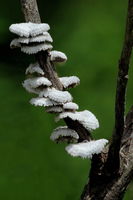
[(31, 39)]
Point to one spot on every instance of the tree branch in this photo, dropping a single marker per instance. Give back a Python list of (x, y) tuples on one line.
[(113, 156), (104, 184), (126, 162), (31, 13), (104, 187), (105, 176)]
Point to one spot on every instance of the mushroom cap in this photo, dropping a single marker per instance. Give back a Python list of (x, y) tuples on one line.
[(86, 149), (45, 102), (70, 81), (58, 56), (70, 106), (86, 118), (63, 131), (59, 96), (33, 49), (29, 29), (54, 109), (34, 68), (17, 42), (37, 82)]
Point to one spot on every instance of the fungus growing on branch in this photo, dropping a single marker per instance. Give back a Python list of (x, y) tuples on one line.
[(64, 132), (34, 68), (34, 49), (54, 109), (86, 149), (59, 96), (58, 56), (70, 81), (28, 29), (86, 118), (45, 102), (70, 106)]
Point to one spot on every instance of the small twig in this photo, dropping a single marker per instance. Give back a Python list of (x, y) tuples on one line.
[(31, 13), (113, 156)]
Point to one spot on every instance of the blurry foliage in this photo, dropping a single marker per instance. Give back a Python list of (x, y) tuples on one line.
[(90, 32)]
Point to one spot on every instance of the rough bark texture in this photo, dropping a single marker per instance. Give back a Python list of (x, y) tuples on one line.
[(113, 158), (112, 170), (30, 11)]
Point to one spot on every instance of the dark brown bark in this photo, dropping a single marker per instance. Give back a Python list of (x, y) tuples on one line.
[(126, 162), (112, 170), (113, 157), (106, 180), (103, 186)]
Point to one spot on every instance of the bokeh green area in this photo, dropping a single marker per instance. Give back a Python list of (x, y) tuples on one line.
[(91, 33)]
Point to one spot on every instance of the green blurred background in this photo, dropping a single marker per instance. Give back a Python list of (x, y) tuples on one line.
[(90, 32)]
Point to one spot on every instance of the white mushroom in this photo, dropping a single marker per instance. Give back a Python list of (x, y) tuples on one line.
[(34, 68), (59, 96), (37, 82), (58, 56), (42, 102), (64, 131), (70, 81), (86, 118), (86, 149), (54, 109), (30, 89), (33, 49), (29, 29), (18, 42), (70, 106), (41, 38)]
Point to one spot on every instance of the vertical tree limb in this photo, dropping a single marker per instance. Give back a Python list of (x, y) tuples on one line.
[(30, 11), (122, 79), (126, 162), (108, 180)]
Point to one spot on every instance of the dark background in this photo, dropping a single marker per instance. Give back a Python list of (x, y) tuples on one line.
[(91, 33)]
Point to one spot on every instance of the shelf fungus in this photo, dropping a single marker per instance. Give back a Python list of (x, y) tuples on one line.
[(28, 29), (70, 81), (33, 49), (59, 96), (70, 106), (58, 56), (86, 149), (21, 41), (31, 39), (37, 82), (54, 109), (64, 134), (45, 102), (86, 118), (34, 68)]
